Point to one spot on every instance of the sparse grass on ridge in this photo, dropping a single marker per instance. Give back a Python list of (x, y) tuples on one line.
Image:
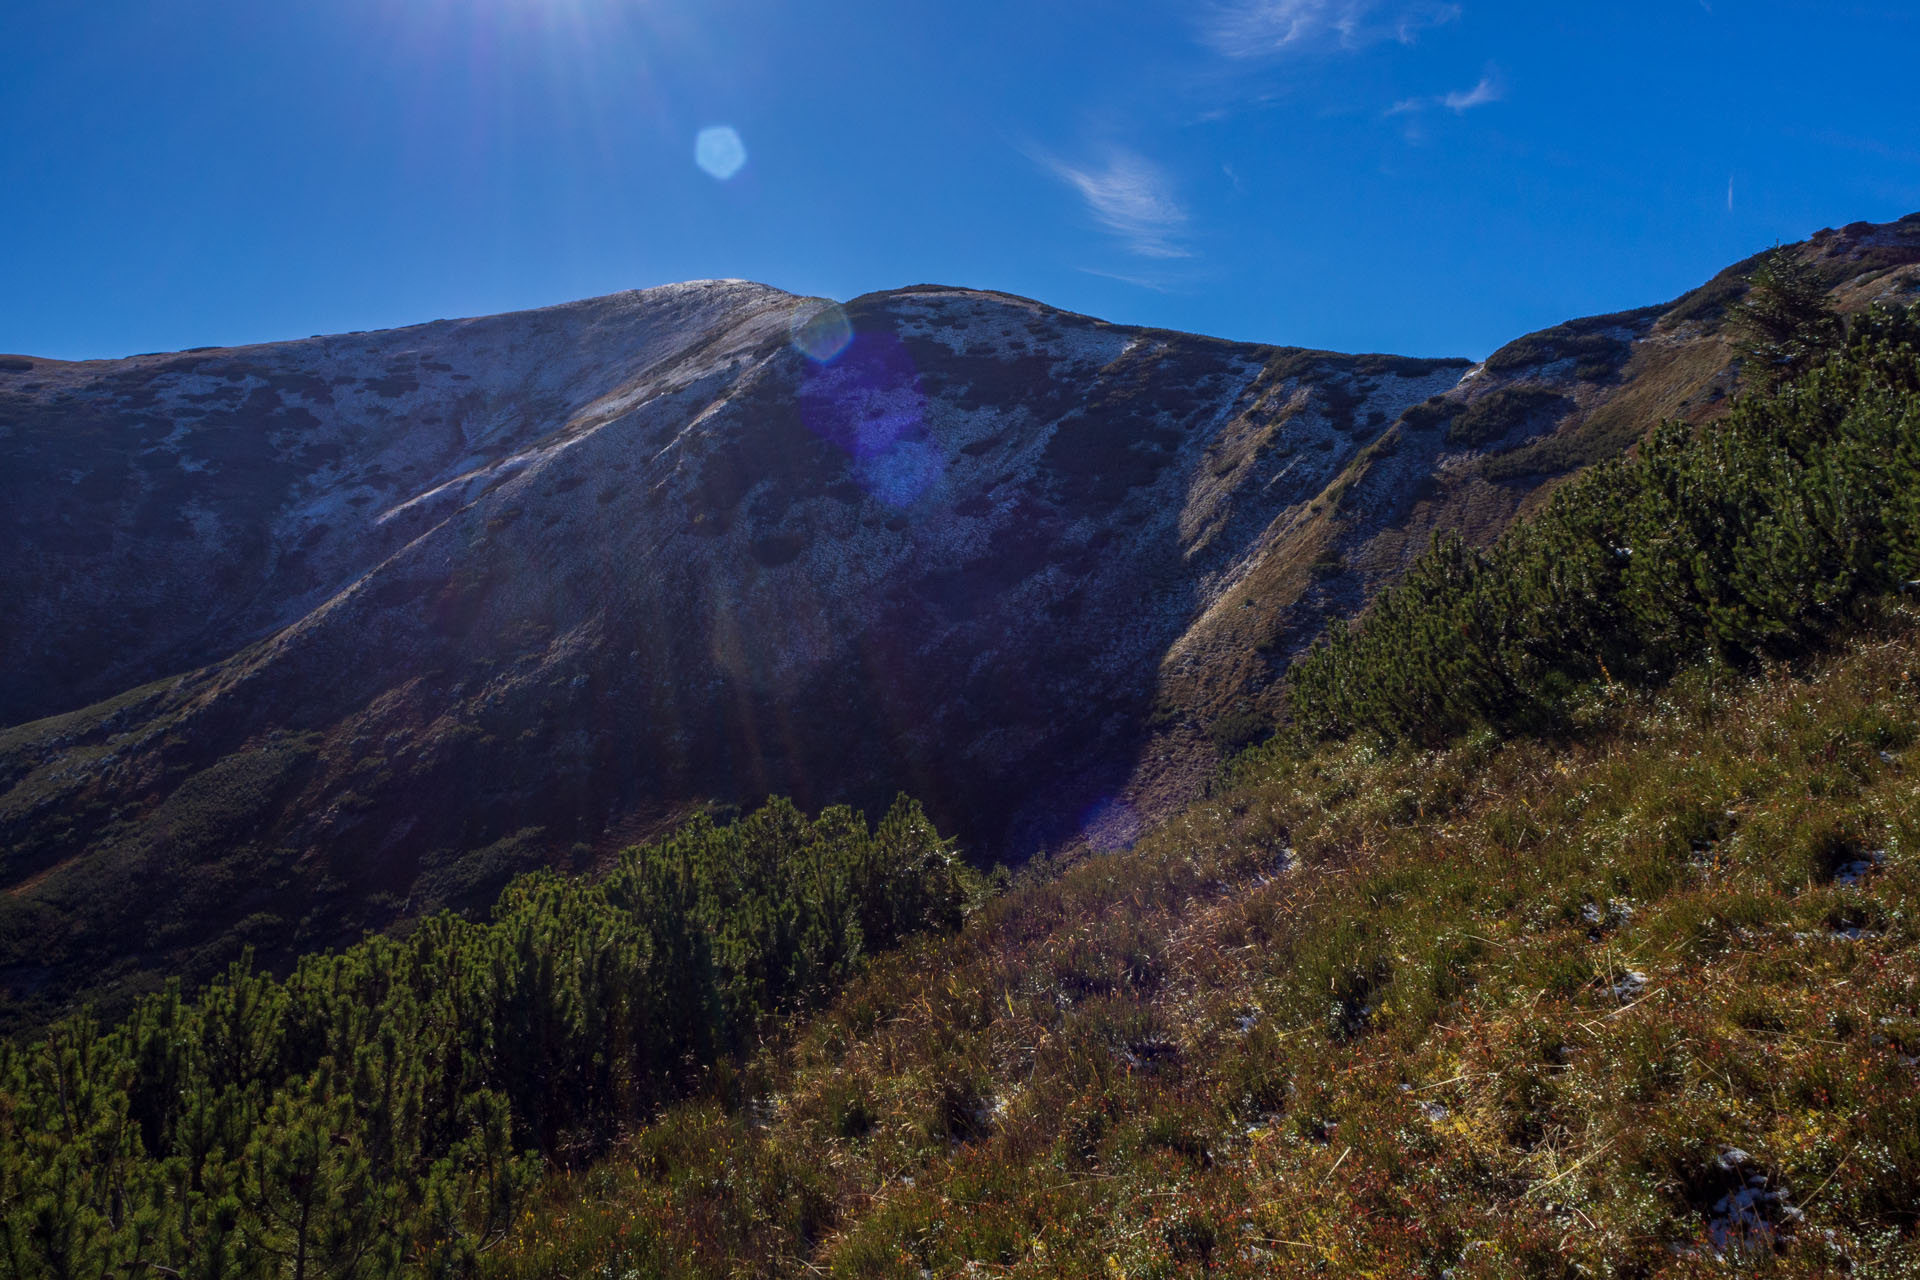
[(1648, 1003)]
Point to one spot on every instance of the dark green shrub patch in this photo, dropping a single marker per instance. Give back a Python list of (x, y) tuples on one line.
[(383, 1110), (1755, 538), (1494, 415)]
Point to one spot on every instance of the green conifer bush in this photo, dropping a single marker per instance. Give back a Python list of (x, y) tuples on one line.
[(1757, 537), (383, 1109)]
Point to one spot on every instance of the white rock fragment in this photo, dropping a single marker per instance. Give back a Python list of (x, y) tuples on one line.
[(1853, 872), (1630, 986), (1750, 1218)]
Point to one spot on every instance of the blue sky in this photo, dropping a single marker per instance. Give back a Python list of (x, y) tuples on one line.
[(1419, 177)]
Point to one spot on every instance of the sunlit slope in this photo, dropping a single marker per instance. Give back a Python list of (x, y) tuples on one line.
[(1643, 1004)]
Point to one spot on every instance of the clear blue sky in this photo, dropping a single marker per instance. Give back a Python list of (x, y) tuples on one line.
[(1428, 178)]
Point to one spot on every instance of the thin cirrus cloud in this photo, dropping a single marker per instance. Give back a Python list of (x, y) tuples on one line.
[(1460, 101), (1488, 90), (1263, 28), (1130, 197)]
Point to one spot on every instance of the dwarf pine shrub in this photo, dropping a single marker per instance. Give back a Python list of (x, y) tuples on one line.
[(1758, 537)]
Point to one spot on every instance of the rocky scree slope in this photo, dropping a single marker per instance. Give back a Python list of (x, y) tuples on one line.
[(307, 637)]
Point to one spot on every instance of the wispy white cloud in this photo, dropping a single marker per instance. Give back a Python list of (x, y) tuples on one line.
[(1460, 101), (1129, 196), (1263, 28), (1488, 90)]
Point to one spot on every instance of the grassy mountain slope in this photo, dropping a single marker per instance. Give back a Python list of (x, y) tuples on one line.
[(1625, 1006)]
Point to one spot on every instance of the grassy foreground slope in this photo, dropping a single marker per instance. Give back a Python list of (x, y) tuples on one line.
[(1645, 1002)]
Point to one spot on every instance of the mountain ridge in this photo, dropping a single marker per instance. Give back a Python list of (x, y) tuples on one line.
[(379, 620)]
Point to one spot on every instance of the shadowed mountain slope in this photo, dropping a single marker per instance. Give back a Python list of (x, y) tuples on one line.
[(308, 637), (321, 633)]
